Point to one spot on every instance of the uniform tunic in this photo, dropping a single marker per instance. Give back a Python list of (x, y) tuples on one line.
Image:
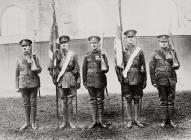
[(71, 76), (25, 77), (163, 74), (94, 79), (132, 85)]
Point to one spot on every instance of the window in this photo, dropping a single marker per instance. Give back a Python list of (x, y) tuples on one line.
[(13, 21)]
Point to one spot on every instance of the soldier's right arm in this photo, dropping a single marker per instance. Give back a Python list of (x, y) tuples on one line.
[(84, 72), (17, 73), (152, 64)]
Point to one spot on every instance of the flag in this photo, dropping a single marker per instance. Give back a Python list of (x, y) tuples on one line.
[(118, 46), (53, 46)]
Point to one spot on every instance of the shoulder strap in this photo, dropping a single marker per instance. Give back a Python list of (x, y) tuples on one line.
[(68, 58), (130, 61)]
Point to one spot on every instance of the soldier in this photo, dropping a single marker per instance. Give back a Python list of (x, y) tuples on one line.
[(67, 79), (28, 81), (162, 65), (133, 77), (94, 79)]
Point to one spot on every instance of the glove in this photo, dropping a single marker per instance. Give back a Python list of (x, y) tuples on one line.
[(78, 85)]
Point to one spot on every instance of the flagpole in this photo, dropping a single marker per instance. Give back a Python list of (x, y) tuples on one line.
[(54, 35)]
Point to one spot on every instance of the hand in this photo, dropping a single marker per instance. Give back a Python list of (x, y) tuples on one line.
[(120, 78), (18, 90), (85, 85), (144, 85), (74, 71), (51, 73), (155, 85), (78, 85)]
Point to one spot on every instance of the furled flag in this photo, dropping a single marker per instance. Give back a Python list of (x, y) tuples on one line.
[(53, 46), (118, 45)]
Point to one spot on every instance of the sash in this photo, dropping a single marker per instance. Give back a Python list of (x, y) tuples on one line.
[(68, 58), (130, 62)]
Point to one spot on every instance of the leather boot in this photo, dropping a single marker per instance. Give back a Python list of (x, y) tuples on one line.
[(136, 108), (64, 112), (100, 115), (129, 114), (164, 116), (33, 117), (171, 116), (27, 119), (70, 113), (94, 116)]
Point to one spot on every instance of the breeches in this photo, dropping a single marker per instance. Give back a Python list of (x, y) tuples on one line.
[(166, 94), (132, 92), (66, 93), (96, 96), (29, 96)]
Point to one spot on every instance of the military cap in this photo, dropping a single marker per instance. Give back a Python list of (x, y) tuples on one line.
[(163, 37), (24, 42), (94, 38), (131, 33), (64, 39)]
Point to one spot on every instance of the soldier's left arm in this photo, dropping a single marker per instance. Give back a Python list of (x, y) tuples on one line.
[(143, 65), (17, 73), (176, 57), (143, 70), (106, 63), (39, 68), (76, 70)]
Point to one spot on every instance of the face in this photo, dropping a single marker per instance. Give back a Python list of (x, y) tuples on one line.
[(64, 46), (94, 45), (26, 49), (163, 44), (131, 40)]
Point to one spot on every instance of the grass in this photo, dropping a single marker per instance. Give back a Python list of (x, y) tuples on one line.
[(12, 117)]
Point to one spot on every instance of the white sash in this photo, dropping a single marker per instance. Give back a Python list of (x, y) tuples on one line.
[(68, 58), (130, 62)]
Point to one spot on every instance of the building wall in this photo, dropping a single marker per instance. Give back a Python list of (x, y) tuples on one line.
[(9, 53), (139, 14)]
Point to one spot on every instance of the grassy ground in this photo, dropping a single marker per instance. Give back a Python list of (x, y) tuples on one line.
[(11, 117)]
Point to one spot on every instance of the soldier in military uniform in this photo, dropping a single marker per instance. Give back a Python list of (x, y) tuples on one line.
[(67, 79), (94, 79), (163, 64), (133, 78), (28, 81)]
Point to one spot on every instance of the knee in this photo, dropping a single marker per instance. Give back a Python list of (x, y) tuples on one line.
[(93, 100), (33, 102), (163, 103), (64, 100), (129, 100), (100, 101), (70, 99), (136, 101)]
